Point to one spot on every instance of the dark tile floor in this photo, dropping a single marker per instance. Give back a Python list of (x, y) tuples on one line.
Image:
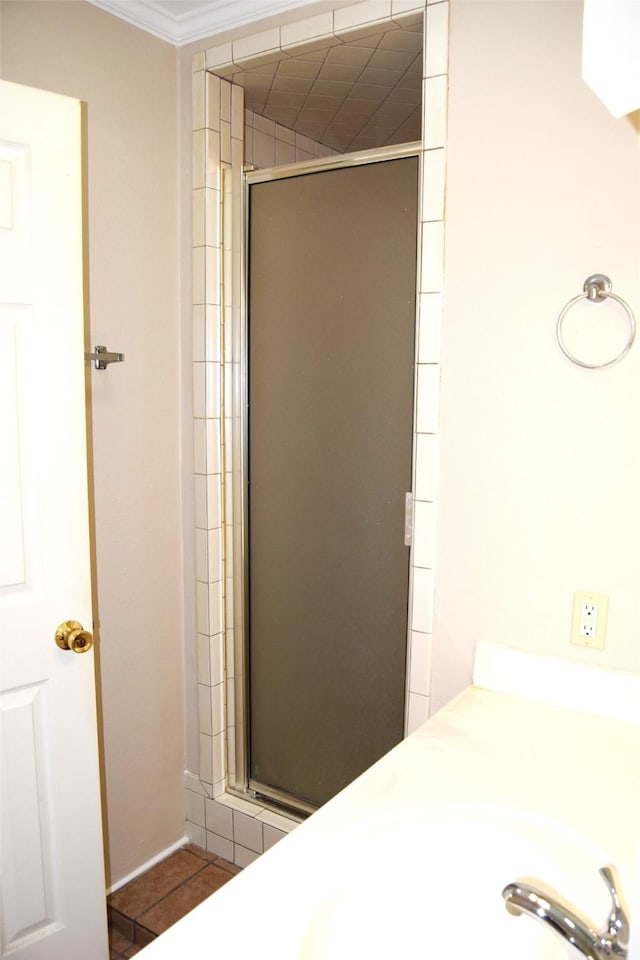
[(151, 903)]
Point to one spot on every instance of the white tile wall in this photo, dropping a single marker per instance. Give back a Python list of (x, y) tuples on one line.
[(424, 519), (216, 112), (243, 857), (436, 45), (403, 7), (194, 805), (418, 711), (228, 826), (305, 30), (420, 664), (219, 56), (422, 600), (271, 836), (434, 117), (259, 43), (430, 307), (220, 846), (247, 831), (360, 15), (433, 182), (428, 395), (219, 819), (432, 256), (269, 144)]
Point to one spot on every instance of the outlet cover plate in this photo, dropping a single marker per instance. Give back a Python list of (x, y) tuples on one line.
[(584, 600)]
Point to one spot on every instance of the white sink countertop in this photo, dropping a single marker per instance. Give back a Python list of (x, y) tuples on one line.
[(454, 797)]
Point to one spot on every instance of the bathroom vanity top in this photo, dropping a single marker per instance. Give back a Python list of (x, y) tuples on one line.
[(489, 761)]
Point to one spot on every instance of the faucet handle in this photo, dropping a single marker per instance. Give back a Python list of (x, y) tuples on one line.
[(615, 934)]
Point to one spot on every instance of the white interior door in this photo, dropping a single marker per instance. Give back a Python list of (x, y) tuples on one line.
[(53, 888)]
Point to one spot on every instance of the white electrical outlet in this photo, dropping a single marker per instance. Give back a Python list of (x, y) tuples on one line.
[(589, 623), (588, 620)]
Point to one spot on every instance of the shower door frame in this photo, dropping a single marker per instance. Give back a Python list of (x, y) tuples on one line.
[(239, 779)]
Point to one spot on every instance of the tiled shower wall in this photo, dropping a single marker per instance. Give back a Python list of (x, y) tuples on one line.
[(223, 138), (269, 144)]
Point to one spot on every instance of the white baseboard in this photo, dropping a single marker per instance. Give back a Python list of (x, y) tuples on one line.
[(149, 863)]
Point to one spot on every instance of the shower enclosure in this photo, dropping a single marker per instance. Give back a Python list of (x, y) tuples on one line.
[(327, 370)]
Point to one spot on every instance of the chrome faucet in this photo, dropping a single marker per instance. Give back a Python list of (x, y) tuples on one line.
[(612, 941)]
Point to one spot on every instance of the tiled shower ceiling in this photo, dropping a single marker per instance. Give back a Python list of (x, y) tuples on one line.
[(356, 95)]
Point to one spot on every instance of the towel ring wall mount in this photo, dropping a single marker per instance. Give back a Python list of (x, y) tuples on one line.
[(596, 289)]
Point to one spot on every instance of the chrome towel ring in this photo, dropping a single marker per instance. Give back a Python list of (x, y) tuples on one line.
[(596, 289)]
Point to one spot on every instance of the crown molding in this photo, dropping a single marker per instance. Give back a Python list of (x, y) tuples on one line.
[(194, 22)]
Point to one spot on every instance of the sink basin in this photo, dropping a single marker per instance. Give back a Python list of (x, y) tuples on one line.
[(427, 883)]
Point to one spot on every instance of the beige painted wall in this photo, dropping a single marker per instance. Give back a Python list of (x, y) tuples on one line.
[(540, 460), (129, 81)]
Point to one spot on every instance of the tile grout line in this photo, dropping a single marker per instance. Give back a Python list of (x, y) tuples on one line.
[(134, 924), (187, 880)]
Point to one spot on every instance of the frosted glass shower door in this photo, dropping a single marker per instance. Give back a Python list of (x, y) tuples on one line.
[(331, 319)]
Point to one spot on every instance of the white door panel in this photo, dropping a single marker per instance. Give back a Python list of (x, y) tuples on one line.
[(53, 897)]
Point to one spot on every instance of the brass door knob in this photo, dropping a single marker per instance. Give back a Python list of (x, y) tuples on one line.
[(71, 635)]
